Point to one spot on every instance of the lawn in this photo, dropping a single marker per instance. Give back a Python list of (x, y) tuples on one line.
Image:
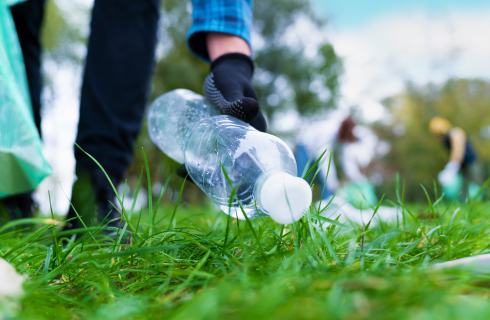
[(183, 262)]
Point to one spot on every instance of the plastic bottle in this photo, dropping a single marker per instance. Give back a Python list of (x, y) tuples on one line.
[(259, 176)]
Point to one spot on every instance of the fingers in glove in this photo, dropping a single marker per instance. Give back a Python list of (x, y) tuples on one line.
[(243, 108), (258, 122), (229, 86)]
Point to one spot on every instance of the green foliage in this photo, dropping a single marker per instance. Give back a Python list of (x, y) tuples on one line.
[(296, 75), (179, 69), (289, 75), (416, 154)]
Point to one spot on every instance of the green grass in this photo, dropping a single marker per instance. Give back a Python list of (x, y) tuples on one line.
[(184, 262)]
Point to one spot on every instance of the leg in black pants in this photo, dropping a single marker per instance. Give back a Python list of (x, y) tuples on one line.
[(115, 90), (28, 17)]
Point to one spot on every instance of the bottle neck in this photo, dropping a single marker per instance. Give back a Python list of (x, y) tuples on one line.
[(283, 196)]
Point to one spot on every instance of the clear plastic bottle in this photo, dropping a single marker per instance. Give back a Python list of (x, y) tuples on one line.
[(260, 167)]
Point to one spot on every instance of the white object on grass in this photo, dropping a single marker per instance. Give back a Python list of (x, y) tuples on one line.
[(477, 264), (340, 206), (10, 289), (285, 197)]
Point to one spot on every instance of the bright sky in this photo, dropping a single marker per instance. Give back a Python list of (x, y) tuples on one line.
[(385, 43), (351, 14)]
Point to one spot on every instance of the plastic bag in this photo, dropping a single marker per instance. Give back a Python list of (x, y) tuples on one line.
[(451, 190), (474, 191), (22, 165), (360, 194)]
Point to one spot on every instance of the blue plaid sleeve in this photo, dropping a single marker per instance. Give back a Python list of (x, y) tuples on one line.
[(226, 16)]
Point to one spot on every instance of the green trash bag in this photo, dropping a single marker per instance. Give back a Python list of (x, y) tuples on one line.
[(360, 194), (451, 190), (474, 192), (22, 165)]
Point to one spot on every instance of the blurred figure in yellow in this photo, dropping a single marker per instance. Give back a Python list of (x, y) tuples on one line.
[(462, 158)]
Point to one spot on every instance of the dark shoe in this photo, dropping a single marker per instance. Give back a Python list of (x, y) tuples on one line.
[(20, 206), (91, 197)]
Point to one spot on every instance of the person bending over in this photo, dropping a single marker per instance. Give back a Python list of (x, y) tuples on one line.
[(462, 155)]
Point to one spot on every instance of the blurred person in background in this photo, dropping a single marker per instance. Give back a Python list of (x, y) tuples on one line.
[(355, 194), (116, 86), (463, 169), (322, 136)]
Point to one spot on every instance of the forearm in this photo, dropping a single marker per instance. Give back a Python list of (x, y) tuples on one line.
[(219, 44), (458, 145), (224, 19)]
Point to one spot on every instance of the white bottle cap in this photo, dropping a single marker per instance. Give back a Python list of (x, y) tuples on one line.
[(285, 197)]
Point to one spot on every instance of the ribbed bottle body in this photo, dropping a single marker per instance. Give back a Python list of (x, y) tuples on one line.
[(222, 144)]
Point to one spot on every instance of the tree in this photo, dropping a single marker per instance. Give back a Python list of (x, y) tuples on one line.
[(293, 81)]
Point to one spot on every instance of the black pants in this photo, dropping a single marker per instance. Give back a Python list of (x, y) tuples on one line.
[(116, 79)]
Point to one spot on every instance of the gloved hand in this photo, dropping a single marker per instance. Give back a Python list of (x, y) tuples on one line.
[(449, 173), (229, 88)]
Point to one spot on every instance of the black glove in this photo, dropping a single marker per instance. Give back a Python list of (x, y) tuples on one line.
[(229, 88)]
